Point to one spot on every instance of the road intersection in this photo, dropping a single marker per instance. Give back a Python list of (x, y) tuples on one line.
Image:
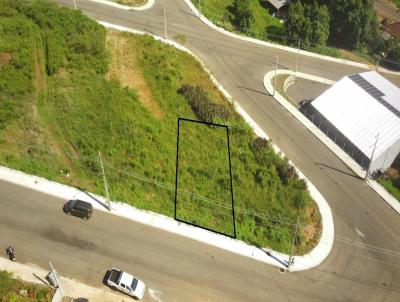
[(359, 268)]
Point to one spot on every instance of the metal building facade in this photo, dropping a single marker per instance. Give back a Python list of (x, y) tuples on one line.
[(365, 109)]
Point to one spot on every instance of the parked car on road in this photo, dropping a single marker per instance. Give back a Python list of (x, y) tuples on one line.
[(79, 208), (126, 283)]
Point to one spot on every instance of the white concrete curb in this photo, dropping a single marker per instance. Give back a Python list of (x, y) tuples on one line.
[(282, 47), (314, 258), (148, 5), (353, 165)]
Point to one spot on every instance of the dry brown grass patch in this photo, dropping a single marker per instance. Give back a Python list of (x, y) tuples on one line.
[(5, 58), (124, 67)]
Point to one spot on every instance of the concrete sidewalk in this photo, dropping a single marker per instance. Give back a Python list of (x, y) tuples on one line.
[(354, 166), (71, 288)]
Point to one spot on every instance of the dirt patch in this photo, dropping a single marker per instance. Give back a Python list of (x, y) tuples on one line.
[(124, 68), (312, 232), (5, 58), (348, 55), (392, 172)]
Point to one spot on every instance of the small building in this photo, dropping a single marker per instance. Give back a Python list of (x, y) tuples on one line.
[(278, 6), (361, 114), (393, 30)]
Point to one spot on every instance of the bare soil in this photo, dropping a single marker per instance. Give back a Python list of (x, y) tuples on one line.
[(125, 69)]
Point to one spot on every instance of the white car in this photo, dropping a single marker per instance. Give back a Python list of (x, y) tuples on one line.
[(126, 283)]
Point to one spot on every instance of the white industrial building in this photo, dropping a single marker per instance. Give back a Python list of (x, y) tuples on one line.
[(361, 113)]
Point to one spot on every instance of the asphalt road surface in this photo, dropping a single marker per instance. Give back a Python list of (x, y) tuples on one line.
[(388, 10), (364, 264)]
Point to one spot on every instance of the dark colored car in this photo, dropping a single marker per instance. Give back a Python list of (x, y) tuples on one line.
[(78, 208)]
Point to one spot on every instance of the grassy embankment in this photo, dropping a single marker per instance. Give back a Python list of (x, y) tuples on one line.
[(14, 290), (391, 183), (68, 89), (267, 28)]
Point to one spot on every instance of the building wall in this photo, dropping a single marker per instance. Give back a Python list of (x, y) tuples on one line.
[(386, 159), (382, 162)]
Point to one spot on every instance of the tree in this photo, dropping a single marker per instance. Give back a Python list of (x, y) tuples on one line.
[(320, 23), (243, 15), (353, 22), (308, 22), (393, 54)]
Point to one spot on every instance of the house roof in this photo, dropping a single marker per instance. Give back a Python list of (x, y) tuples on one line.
[(362, 107), (278, 3), (393, 29)]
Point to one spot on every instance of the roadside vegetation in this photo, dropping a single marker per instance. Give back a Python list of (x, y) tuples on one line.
[(13, 290), (333, 28), (397, 2), (134, 3), (391, 182), (69, 89)]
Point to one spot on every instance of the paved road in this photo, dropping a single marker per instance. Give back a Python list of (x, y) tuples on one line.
[(184, 270), (388, 10)]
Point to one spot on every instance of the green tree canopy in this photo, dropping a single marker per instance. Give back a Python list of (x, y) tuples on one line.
[(353, 23), (243, 15), (308, 22)]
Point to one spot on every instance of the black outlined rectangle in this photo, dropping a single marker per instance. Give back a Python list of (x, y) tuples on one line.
[(180, 121)]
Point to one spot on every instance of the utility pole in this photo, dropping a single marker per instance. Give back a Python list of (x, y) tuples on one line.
[(165, 22), (276, 68), (54, 274), (297, 59), (372, 157), (293, 241), (377, 65), (75, 4), (105, 182)]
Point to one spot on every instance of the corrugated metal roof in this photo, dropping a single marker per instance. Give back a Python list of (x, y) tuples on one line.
[(393, 29), (278, 3), (361, 107)]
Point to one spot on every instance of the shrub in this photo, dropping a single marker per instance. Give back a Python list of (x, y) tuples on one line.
[(202, 106), (55, 55), (396, 182)]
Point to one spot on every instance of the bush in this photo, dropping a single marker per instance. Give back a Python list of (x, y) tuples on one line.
[(55, 52), (202, 106), (396, 182)]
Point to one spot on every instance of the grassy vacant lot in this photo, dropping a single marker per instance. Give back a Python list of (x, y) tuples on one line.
[(13, 290), (69, 88), (220, 13), (133, 3)]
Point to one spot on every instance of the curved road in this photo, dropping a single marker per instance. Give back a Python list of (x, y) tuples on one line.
[(364, 264)]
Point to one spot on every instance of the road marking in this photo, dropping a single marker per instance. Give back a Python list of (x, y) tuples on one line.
[(359, 233), (155, 295)]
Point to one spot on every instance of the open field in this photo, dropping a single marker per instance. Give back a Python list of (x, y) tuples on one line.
[(69, 89)]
